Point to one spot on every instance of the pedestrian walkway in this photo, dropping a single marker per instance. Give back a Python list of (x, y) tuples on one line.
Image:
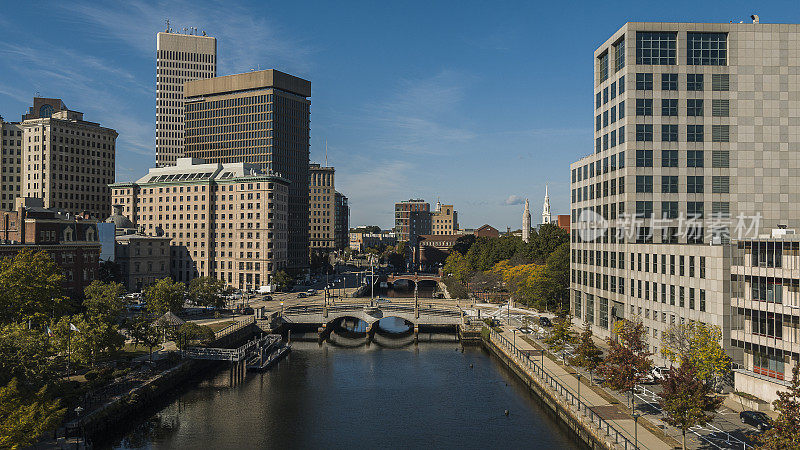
[(615, 414)]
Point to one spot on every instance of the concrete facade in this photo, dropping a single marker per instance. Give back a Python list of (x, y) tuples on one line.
[(227, 221), (444, 219), (179, 58), (321, 208), (67, 161), (262, 118), (693, 124), (341, 229), (11, 168)]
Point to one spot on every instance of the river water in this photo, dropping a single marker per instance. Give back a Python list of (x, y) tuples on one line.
[(428, 396)]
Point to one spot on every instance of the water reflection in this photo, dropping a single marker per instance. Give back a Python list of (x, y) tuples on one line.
[(431, 395)]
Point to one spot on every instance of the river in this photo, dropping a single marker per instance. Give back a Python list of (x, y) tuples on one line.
[(428, 396)]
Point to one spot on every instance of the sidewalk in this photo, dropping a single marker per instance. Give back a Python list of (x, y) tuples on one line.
[(618, 415)]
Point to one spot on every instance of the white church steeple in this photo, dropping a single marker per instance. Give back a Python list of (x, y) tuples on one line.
[(546, 217)]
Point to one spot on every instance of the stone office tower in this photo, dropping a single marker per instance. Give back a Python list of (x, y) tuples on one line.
[(691, 121), (262, 118), (526, 222), (179, 58)]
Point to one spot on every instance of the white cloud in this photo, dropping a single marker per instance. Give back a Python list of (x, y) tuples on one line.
[(514, 200)]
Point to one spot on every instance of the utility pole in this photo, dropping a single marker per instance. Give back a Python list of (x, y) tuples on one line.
[(372, 280)]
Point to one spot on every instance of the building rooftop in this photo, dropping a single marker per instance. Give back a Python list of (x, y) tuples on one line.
[(261, 79), (194, 169)]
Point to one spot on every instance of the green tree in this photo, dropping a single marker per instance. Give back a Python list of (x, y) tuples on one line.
[(562, 333), (785, 431), (145, 333), (208, 291), (165, 295), (283, 280), (93, 340), (587, 354), (456, 266), (190, 332), (686, 400), (25, 355), (627, 361), (699, 344), (30, 288), (557, 274), (24, 417), (104, 302)]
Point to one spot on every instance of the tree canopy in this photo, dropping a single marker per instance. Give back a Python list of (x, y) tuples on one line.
[(30, 288), (208, 291), (165, 295), (699, 344), (685, 399), (627, 361)]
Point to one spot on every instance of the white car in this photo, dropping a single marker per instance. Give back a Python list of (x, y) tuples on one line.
[(659, 373)]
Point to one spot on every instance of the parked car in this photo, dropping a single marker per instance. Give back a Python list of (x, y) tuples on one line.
[(659, 373), (757, 419), (545, 322), (525, 330), (381, 301), (301, 295)]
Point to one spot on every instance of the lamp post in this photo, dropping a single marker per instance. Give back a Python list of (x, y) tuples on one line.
[(635, 430), (281, 307), (515, 338), (579, 391)]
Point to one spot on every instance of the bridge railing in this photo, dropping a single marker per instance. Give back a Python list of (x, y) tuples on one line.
[(238, 325), (620, 437)]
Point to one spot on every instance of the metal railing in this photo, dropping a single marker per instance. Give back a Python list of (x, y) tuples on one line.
[(234, 327), (619, 437)]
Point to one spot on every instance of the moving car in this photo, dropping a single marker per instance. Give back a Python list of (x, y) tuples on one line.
[(525, 330), (301, 295), (757, 419)]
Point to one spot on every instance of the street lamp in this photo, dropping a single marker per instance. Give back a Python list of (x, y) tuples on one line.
[(281, 307), (635, 430), (579, 391), (515, 338)]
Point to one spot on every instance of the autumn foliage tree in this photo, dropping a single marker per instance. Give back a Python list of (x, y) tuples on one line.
[(685, 399), (627, 362), (699, 344), (165, 295), (785, 432), (587, 354), (562, 334)]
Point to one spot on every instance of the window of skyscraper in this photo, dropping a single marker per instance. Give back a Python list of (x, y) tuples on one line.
[(669, 81), (644, 183), (669, 210), (669, 133), (694, 158), (720, 82), (694, 107), (656, 48), (644, 132), (669, 158), (619, 54), (694, 133), (706, 49), (644, 158), (603, 67), (644, 81), (694, 81), (694, 184), (669, 106), (644, 106), (669, 184)]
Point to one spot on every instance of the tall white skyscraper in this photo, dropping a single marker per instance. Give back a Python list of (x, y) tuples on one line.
[(546, 217), (179, 58), (526, 222)]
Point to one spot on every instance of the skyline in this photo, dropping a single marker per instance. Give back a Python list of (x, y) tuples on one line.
[(397, 111)]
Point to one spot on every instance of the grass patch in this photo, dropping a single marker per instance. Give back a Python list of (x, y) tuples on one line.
[(219, 325)]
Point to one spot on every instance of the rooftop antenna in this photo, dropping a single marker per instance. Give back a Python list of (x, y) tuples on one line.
[(326, 153), (166, 30)]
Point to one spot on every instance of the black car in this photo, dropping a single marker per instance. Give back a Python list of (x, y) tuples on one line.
[(545, 322), (757, 419)]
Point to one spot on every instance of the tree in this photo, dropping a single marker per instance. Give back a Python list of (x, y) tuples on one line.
[(587, 354), (145, 333), (562, 333), (627, 361), (24, 417), (104, 301), (557, 274), (25, 355), (93, 339), (685, 399), (208, 291), (190, 331), (283, 280), (699, 344), (785, 431), (30, 288), (165, 295), (456, 266)]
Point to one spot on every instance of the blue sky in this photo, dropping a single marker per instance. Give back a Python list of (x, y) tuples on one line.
[(477, 103)]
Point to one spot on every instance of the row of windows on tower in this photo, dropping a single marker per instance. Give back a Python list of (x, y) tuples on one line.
[(669, 82)]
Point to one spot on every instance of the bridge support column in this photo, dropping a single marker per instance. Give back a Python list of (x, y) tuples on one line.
[(416, 334), (368, 336)]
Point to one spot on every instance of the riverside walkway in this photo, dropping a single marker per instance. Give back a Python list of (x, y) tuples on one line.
[(613, 420)]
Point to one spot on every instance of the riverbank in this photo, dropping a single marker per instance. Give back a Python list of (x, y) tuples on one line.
[(599, 423)]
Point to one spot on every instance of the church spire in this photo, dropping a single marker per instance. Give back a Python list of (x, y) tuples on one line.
[(546, 217)]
